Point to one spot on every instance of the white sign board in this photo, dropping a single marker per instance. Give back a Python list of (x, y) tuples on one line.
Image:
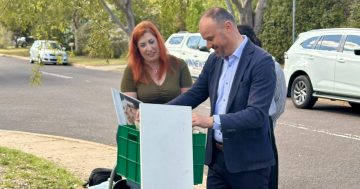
[(166, 147)]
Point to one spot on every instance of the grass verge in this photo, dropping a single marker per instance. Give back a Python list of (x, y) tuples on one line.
[(83, 60), (25, 171), (16, 51)]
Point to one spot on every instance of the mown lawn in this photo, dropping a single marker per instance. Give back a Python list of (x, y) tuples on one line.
[(19, 170), (16, 51), (96, 61), (84, 60)]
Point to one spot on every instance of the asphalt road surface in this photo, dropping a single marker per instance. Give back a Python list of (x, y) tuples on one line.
[(72, 102), (318, 148)]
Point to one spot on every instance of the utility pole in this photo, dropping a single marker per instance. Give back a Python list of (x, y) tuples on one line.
[(293, 19)]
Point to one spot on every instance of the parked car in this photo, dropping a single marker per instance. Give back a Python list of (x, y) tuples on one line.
[(190, 47), (45, 51), (24, 41), (324, 63)]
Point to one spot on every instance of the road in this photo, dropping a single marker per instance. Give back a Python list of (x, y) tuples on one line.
[(71, 102), (318, 148)]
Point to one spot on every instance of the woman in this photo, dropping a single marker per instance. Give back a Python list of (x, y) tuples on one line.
[(152, 75)]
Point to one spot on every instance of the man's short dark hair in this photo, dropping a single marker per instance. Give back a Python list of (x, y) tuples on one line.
[(219, 15)]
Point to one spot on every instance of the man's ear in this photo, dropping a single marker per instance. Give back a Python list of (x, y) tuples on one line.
[(228, 25)]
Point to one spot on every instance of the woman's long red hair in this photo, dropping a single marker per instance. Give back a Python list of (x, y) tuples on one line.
[(136, 61)]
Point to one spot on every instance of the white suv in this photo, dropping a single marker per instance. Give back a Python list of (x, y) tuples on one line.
[(190, 47), (324, 63)]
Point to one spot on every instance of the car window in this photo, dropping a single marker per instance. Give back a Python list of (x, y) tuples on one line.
[(193, 42), (352, 42), (176, 40), (329, 43), (309, 43), (53, 46), (50, 45), (202, 42)]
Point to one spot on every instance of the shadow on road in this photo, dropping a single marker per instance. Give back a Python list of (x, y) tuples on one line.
[(337, 108)]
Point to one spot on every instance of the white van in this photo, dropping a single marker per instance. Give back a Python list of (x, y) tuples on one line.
[(190, 47)]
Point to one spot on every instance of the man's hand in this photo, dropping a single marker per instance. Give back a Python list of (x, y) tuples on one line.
[(202, 121)]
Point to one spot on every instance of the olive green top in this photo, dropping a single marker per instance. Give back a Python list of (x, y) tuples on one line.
[(159, 94)]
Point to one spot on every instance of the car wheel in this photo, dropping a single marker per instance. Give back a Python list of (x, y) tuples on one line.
[(301, 93), (31, 60), (355, 106)]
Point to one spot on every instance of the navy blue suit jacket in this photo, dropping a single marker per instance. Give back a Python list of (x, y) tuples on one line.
[(245, 126)]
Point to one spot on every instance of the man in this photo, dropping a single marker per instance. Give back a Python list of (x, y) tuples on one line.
[(240, 80), (277, 105)]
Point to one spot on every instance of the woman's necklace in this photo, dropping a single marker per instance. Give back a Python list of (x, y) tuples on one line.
[(154, 72), (154, 69)]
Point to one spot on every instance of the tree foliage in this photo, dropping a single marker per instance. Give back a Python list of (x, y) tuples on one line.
[(196, 8), (46, 19), (277, 27), (5, 37), (101, 28), (276, 34), (354, 18)]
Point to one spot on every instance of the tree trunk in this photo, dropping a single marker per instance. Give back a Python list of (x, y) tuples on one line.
[(229, 7), (76, 25), (245, 11), (126, 8), (248, 16), (240, 9), (248, 13), (259, 14), (130, 18), (181, 24)]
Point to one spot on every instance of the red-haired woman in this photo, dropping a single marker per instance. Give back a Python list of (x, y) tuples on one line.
[(152, 75)]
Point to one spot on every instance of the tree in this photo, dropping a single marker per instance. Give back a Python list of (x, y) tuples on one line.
[(310, 14), (125, 8), (248, 15), (10, 18), (182, 15), (195, 10), (277, 27), (5, 37), (165, 17), (353, 20), (318, 14), (44, 19), (78, 19)]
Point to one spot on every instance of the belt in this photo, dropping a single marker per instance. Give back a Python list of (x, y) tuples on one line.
[(219, 146)]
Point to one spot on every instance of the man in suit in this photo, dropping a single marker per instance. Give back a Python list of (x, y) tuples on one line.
[(239, 78)]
